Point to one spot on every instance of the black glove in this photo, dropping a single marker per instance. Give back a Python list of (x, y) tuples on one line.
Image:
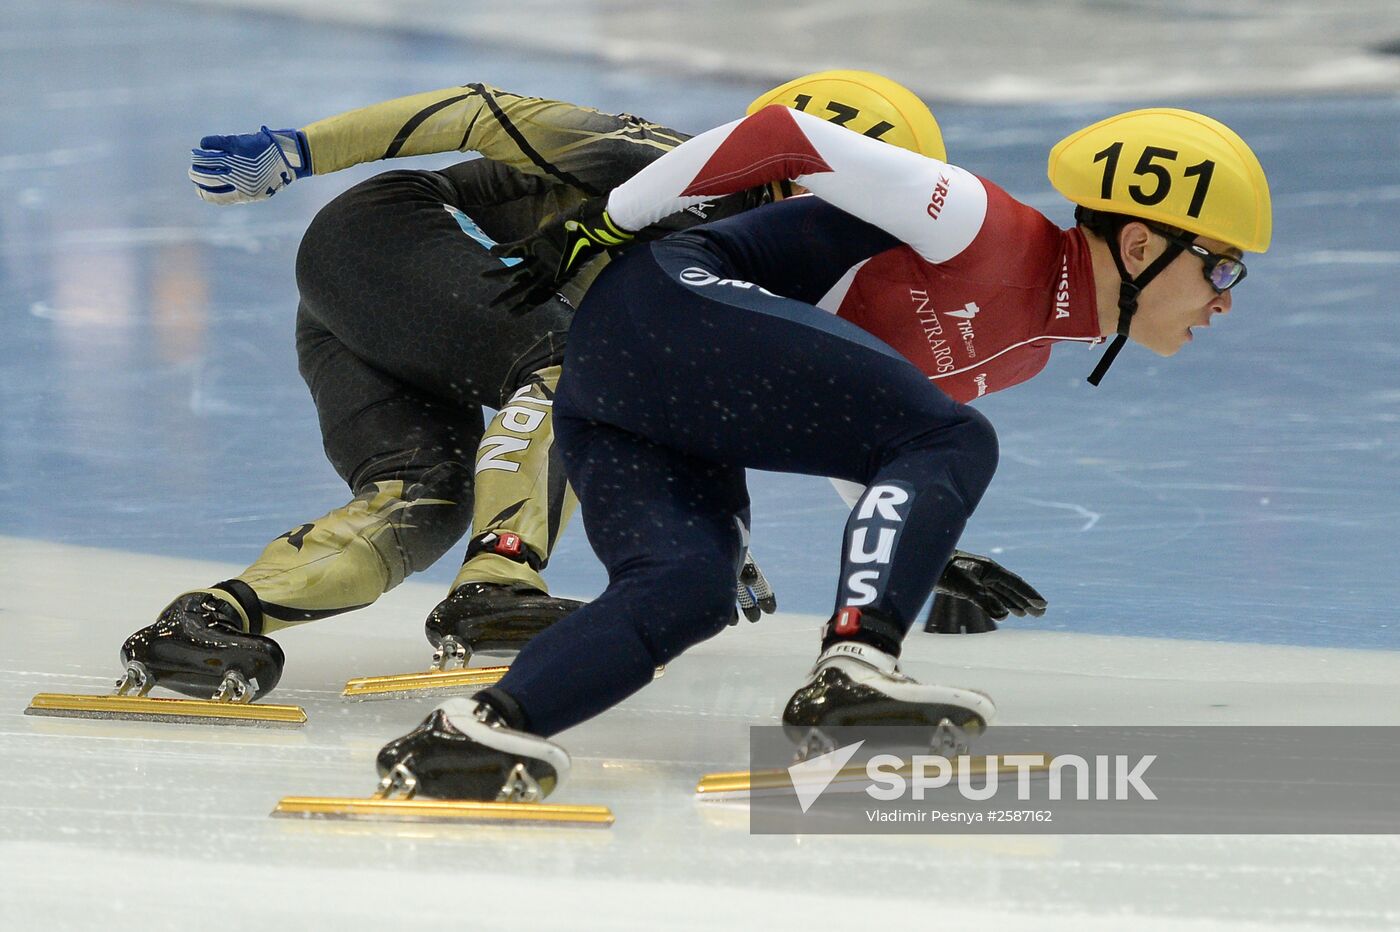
[(976, 592), (553, 254)]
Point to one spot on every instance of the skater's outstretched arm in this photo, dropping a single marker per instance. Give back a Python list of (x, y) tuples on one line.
[(574, 145), (934, 207), (571, 145)]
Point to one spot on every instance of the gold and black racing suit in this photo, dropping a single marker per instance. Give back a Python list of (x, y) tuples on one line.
[(402, 348)]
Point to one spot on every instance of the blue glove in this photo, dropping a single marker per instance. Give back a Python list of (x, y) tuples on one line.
[(250, 167)]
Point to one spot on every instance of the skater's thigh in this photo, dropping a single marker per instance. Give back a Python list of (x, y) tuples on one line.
[(377, 427), (395, 270), (670, 350), (658, 519)]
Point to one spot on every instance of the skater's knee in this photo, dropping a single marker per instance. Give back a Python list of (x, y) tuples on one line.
[(439, 500), (685, 599), (693, 600), (709, 578), (978, 440), (966, 447), (351, 224), (323, 239), (413, 512), (713, 592)]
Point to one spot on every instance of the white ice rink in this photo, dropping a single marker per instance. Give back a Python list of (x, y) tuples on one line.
[(156, 826), (1240, 500)]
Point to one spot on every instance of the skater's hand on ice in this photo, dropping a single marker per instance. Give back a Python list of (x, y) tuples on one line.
[(950, 614), (249, 167), (755, 596), (554, 254), (976, 592)]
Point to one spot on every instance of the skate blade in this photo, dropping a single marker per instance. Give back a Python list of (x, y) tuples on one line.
[(186, 711), (440, 810), (741, 784), (429, 683)]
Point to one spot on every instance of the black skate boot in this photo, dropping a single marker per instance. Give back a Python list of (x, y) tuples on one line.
[(463, 750), (197, 647), (483, 617), (856, 684)]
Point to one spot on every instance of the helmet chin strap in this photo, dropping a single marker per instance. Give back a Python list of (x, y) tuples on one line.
[(1128, 292)]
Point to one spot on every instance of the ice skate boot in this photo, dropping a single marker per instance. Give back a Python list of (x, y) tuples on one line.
[(196, 647), (463, 750), (461, 764), (490, 618), (477, 618), (856, 684)]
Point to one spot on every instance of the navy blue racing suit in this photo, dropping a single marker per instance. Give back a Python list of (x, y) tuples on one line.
[(701, 355)]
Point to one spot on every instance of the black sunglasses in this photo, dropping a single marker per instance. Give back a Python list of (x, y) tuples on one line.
[(1222, 271)]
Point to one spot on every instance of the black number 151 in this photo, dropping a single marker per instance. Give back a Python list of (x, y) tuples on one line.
[(1148, 167)]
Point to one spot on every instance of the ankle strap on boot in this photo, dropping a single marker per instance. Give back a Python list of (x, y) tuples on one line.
[(506, 544)]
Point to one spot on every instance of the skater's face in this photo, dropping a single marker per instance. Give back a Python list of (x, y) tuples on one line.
[(1180, 297)]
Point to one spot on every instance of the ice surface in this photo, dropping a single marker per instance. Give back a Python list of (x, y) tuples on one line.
[(154, 826)]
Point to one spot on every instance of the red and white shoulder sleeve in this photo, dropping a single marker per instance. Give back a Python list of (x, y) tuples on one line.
[(934, 207)]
